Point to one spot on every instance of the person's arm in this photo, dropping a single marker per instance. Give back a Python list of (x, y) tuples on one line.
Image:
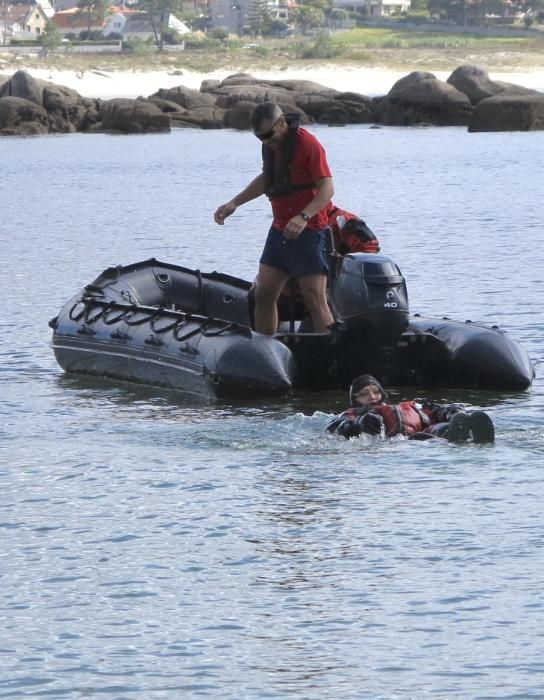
[(252, 191), (324, 194), (441, 412), (355, 421)]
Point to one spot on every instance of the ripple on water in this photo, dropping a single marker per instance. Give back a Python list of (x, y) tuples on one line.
[(153, 547)]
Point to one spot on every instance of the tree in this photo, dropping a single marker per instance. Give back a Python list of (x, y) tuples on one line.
[(157, 12), (3, 19), (307, 17), (258, 17), (325, 5), (51, 38), (95, 12)]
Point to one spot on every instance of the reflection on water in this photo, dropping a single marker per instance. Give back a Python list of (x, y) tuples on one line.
[(155, 547)]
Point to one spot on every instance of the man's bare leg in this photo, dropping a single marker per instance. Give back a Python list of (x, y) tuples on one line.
[(314, 292), (269, 285)]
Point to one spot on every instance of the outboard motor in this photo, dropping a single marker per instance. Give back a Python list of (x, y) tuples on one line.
[(370, 303)]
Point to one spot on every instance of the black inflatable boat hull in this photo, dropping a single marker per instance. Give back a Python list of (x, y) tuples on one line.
[(198, 355), (161, 324)]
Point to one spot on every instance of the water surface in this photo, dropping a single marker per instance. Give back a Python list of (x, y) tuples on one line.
[(158, 548)]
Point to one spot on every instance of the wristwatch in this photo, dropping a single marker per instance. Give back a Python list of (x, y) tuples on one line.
[(304, 216)]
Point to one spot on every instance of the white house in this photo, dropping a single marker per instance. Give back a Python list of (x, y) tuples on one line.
[(47, 8), (233, 15), (373, 8), (22, 22), (139, 26)]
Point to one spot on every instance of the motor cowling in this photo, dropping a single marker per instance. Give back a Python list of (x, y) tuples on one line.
[(370, 303)]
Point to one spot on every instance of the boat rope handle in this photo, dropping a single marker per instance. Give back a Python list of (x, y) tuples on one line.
[(116, 318), (89, 316), (94, 309), (219, 331), (73, 316), (128, 317), (168, 327)]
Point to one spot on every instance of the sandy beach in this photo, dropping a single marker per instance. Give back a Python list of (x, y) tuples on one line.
[(367, 81)]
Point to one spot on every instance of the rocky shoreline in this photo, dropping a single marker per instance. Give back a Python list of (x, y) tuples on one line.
[(29, 106)]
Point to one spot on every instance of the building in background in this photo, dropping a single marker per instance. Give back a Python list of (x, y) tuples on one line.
[(373, 8), (25, 22), (236, 15)]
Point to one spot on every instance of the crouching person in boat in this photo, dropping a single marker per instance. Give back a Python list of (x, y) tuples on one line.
[(373, 414), (350, 232), (297, 180)]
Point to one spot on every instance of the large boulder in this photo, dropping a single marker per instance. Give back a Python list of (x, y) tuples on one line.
[(419, 98), (509, 113), (348, 108), (408, 82), (167, 105), (229, 95), (209, 85), (67, 109), (303, 96), (239, 116), (23, 85), (308, 87), (19, 117), (128, 116), (239, 79), (476, 84), (200, 118), (314, 104), (185, 97)]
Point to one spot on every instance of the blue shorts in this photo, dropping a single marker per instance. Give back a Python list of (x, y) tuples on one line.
[(299, 257)]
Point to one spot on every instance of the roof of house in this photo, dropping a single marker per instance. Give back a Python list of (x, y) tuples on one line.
[(47, 7), (18, 13), (74, 19)]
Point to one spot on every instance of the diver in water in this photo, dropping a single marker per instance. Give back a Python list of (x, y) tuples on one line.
[(373, 414)]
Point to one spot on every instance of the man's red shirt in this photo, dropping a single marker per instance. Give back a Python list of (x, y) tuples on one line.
[(309, 164)]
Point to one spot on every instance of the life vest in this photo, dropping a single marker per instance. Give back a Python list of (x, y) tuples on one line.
[(277, 164), (351, 234), (404, 418)]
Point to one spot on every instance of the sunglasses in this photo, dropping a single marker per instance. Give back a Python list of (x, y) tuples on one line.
[(268, 134)]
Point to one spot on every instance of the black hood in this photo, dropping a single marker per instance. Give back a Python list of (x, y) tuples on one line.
[(362, 381)]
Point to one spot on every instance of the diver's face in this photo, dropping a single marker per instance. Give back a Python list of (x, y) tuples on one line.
[(368, 395)]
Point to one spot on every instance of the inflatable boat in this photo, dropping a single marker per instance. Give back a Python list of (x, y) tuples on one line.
[(166, 325)]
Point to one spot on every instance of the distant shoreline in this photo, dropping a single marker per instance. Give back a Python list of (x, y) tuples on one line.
[(109, 84)]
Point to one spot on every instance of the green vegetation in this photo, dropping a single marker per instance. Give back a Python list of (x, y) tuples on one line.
[(385, 48), (366, 38), (321, 47), (93, 11), (51, 38)]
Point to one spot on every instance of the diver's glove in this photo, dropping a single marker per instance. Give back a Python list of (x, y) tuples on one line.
[(345, 419), (333, 425), (371, 423), (349, 428)]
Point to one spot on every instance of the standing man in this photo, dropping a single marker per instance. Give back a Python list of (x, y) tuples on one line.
[(297, 180)]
